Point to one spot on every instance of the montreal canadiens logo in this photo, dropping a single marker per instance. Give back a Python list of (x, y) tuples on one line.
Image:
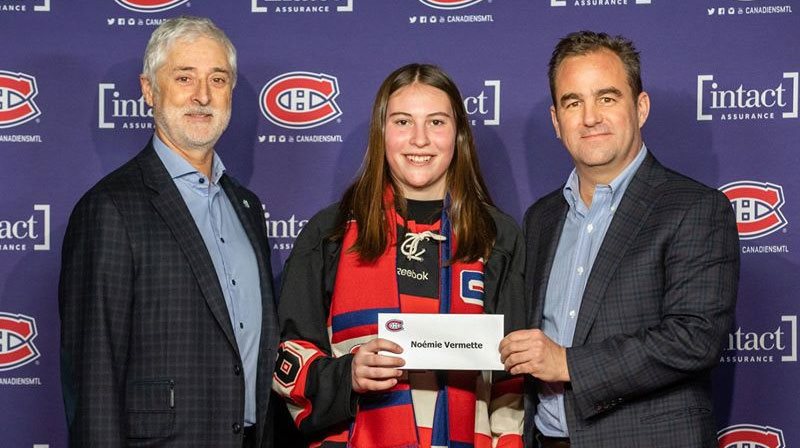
[(17, 332), (300, 100), (17, 91), (750, 436), (450, 4), (394, 325), (150, 5), (757, 206)]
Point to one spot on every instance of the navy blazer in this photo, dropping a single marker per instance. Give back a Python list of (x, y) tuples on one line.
[(655, 314), (149, 356)]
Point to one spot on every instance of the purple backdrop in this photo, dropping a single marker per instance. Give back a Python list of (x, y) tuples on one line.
[(722, 75)]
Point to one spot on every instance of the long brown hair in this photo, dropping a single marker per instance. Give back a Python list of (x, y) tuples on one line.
[(363, 201)]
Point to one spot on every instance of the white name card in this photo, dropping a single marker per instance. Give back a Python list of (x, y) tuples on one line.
[(444, 341)]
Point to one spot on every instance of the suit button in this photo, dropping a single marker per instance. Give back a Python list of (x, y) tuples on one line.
[(237, 428), (237, 370)]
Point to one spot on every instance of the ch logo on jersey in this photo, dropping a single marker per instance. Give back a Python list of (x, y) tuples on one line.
[(17, 332), (449, 4), (757, 206), (17, 91), (150, 5), (472, 287), (300, 100), (750, 436)]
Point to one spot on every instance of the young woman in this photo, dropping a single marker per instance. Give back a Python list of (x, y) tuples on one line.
[(417, 233)]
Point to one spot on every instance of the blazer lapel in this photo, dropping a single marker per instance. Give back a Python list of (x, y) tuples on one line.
[(552, 222), (633, 211), (170, 206)]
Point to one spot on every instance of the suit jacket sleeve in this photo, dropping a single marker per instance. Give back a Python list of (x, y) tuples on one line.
[(95, 297), (697, 301)]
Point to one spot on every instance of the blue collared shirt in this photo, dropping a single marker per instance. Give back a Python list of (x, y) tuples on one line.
[(233, 256), (583, 233)]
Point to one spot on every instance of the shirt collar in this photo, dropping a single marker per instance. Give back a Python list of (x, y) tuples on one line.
[(178, 167), (617, 186)]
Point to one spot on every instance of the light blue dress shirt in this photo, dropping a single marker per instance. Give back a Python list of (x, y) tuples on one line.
[(583, 233), (232, 254)]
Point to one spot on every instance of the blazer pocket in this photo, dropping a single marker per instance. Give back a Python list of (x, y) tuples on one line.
[(676, 414), (150, 408), (689, 426)]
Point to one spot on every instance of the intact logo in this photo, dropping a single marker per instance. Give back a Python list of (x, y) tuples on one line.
[(450, 4), (300, 100), (763, 346), (282, 232), (115, 108), (17, 332), (483, 105), (750, 436), (734, 101), (17, 91), (394, 325), (17, 234), (472, 287), (150, 5), (757, 206)]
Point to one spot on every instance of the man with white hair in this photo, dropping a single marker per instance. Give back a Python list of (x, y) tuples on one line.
[(168, 319)]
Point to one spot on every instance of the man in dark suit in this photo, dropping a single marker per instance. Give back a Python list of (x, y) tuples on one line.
[(168, 322), (632, 273)]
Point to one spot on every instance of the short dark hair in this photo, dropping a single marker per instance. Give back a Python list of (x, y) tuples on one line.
[(581, 43)]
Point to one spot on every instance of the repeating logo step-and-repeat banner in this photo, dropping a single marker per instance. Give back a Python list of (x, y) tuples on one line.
[(723, 79)]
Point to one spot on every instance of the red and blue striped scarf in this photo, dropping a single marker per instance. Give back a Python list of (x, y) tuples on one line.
[(361, 291)]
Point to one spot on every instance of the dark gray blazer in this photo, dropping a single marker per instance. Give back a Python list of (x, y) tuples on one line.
[(148, 352), (655, 314)]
